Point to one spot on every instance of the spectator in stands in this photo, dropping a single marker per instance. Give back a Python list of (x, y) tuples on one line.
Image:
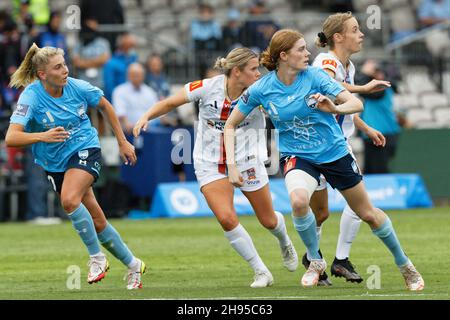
[(231, 32), (258, 30), (379, 114), (91, 53), (340, 6), (115, 70), (434, 11), (206, 35), (156, 78), (52, 37), (9, 60), (132, 99), (39, 10), (105, 12)]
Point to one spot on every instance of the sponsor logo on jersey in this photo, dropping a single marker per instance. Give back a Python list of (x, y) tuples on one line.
[(195, 85), (83, 154), (329, 62), (21, 110), (82, 163)]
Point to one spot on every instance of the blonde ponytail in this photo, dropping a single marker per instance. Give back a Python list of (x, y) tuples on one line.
[(35, 59), (25, 74)]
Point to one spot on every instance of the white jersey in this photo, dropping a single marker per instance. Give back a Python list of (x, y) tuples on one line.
[(341, 74), (214, 109)]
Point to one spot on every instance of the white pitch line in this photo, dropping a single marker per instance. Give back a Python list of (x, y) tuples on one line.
[(307, 297)]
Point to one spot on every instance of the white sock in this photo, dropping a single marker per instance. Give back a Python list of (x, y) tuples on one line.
[(134, 264), (318, 233), (280, 230), (98, 256), (241, 242), (349, 228)]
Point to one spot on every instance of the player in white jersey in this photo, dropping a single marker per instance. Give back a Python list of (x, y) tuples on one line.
[(217, 96), (341, 33)]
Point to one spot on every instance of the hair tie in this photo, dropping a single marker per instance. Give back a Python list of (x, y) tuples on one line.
[(322, 37)]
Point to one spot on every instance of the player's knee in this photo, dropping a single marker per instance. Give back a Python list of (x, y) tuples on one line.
[(269, 222), (99, 223), (228, 220), (300, 205), (322, 213), (70, 203)]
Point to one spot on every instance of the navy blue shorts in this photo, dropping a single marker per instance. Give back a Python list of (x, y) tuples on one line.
[(89, 160), (341, 174)]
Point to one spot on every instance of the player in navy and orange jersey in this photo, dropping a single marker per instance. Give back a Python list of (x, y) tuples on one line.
[(217, 96), (51, 115)]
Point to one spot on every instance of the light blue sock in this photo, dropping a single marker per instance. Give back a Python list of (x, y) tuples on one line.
[(82, 222), (387, 234), (111, 240), (306, 228)]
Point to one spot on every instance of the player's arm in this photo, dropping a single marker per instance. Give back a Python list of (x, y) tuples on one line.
[(235, 118), (17, 137), (376, 136), (349, 103), (126, 149), (160, 108), (370, 87)]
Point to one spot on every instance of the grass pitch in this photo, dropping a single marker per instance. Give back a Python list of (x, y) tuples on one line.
[(191, 259)]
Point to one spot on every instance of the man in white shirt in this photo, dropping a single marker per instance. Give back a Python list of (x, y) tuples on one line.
[(133, 98)]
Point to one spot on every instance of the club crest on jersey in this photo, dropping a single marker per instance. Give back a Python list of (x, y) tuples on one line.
[(83, 154), (82, 112), (21, 110), (195, 85), (245, 97), (311, 102), (251, 174)]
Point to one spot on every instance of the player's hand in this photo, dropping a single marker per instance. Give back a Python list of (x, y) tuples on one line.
[(58, 134), (235, 177), (376, 86), (140, 125), (127, 153), (323, 103), (377, 137)]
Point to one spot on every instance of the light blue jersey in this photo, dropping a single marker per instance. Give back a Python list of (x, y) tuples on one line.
[(37, 111), (304, 130)]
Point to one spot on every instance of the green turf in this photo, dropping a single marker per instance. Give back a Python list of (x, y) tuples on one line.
[(191, 259)]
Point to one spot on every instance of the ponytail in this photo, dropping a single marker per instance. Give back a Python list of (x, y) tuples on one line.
[(26, 73)]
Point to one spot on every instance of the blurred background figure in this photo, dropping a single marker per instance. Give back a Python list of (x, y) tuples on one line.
[(133, 98), (231, 31), (432, 12), (109, 12), (379, 114), (91, 53), (51, 36), (258, 30), (206, 34), (156, 78), (115, 70)]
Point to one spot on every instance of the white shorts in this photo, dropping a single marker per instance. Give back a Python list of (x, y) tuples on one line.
[(322, 181), (255, 177)]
